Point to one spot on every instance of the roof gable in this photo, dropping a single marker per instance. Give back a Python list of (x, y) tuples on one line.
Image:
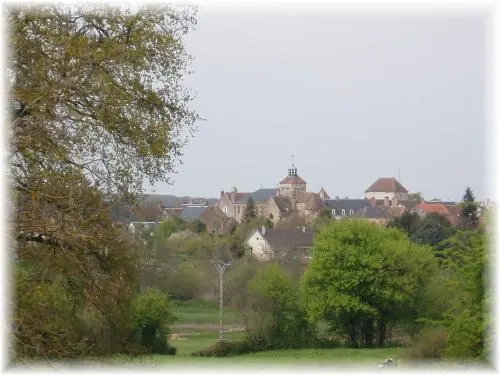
[(386, 185)]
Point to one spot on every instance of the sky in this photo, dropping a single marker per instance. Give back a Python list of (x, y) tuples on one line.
[(353, 96)]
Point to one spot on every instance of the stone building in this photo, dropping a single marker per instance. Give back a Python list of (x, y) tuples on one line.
[(291, 196)]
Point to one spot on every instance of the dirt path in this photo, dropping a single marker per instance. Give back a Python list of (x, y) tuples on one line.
[(215, 327)]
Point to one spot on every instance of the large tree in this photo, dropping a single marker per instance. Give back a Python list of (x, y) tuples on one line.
[(363, 277), (98, 108), (408, 222), (433, 230)]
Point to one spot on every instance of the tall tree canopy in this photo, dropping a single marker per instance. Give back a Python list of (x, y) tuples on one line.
[(363, 278), (98, 108)]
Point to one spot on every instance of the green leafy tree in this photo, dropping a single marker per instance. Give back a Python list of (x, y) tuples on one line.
[(469, 210), (197, 226), (408, 222), (98, 109), (151, 317), (268, 223), (469, 320), (276, 320), (415, 197), (323, 218), (168, 227), (363, 277), (250, 212), (433, 230)]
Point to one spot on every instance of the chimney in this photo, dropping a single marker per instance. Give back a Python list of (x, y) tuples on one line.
[(386, 202), (221, 194), (263, 230)]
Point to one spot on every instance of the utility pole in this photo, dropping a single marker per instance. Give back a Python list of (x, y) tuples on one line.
[(221, 268)]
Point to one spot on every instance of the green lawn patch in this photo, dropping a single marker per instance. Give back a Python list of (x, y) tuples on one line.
[(203, 312)]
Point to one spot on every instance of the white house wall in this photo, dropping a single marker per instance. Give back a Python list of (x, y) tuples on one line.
[(390, 195), (258, 244)]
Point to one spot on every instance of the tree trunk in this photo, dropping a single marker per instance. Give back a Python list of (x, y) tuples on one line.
[(368, 333), (381, 332)]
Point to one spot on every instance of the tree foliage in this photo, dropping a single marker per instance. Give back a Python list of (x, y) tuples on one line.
[(469, 210), (97, 108), (433, 230), (408, 222), (250, 212), (415, 197), (150, 319), (276, 320), (363, 277), (468, 320)]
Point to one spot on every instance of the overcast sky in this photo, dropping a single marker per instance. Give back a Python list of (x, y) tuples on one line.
[(353, 97)]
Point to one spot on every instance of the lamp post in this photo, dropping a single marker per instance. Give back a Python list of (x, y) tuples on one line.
[(221, 268)]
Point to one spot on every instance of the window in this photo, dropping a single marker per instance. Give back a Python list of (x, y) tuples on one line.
[(225, 209), (333, 211), (343, 212), (350, 212), (238, 209)]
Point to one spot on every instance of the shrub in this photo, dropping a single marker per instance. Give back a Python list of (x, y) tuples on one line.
[(429, 344), (275, 319), (150, 318), (225, 349)]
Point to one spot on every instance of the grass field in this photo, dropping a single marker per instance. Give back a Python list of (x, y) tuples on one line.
[(307, 358), (201, 312), (197, 329)]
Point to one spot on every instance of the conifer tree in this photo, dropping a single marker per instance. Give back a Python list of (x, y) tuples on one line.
[(250, 212)]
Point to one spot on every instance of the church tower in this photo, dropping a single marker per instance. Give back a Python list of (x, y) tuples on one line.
[(291, 185)]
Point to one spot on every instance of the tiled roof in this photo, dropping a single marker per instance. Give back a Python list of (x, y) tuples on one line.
[(386, 185), (446, 204), (432, 208), (189, 213), (284, 204), (290, 238), (292, 180), (347, 204), (370, 212), (262, 195), (212, 213)]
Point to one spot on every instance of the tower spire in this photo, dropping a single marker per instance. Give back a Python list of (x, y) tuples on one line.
[(293, 166)]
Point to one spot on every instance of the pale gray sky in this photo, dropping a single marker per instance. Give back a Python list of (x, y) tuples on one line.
[(353, 97)]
